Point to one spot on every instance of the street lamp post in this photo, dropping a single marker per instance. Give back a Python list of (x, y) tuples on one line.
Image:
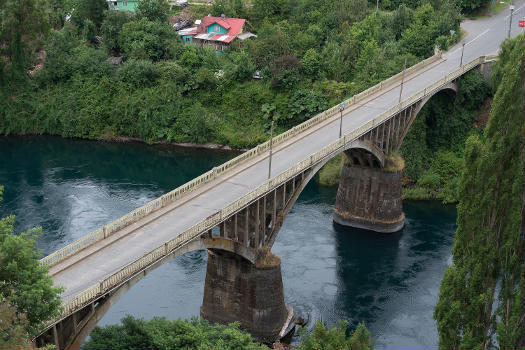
[(463, 43), (270, 158), (341, 109), (510, 21), (402, 80)]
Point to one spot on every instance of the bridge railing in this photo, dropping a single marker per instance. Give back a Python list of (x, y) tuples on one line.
[(194, 232), (143, 211)]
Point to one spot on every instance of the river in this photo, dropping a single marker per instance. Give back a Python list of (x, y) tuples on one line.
[(389, 281)]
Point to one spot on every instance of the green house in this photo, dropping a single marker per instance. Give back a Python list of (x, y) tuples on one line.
[(123, 5)]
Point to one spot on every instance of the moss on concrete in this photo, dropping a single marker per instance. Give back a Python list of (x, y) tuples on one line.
[(331, 172), (266, 259)]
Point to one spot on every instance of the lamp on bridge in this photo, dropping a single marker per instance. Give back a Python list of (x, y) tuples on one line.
[(270, 157), (463, 43), (341, 109), (510, 20)]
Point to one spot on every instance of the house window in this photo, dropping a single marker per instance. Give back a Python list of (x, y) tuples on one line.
[(188, 39), (217, 28), (124, 3)]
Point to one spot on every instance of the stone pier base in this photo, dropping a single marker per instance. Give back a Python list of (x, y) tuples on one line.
[(237, 290), (370, 198)]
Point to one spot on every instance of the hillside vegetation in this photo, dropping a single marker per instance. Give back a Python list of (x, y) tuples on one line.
[(312, 54)]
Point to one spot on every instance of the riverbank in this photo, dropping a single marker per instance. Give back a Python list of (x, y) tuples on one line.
[(206, 145)]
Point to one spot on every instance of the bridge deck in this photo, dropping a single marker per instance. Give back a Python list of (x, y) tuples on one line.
[(100, 260)]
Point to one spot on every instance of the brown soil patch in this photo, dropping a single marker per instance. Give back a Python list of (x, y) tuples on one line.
[(483, 114)]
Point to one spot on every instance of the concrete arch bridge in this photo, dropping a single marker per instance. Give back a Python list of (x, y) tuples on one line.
[(235, 210)]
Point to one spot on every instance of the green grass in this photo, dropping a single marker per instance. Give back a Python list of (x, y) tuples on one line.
[(499, 6)]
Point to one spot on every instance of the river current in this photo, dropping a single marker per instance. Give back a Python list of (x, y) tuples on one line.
[(330, 272)]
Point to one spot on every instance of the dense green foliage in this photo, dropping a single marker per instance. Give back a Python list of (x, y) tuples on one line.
[(312, 54), (481, 300), (24, 283), (433, 147), (13, 327), (160, 333), (335, 338), (23, 23)]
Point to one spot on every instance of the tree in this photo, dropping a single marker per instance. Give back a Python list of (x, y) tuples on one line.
[(402, 19), (350, 10), (22, 24), (285, 71), (58, 63), (482, 293), (26, 284), (311, 64), (242, 66), (153, 10), (144, 39), (305, 104), (160, 334), (89, 9), (470, 6), (269, 9), (138, 73), (89, 31), (12, 328), (335, 338), (111, 27)]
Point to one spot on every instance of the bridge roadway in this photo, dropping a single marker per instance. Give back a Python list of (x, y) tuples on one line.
[(93, 264)]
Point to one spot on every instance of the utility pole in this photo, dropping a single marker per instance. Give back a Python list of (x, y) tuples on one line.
[(510, 21), (402, 80), (270, 160), (341, 109), (377, 6), (462, 51)]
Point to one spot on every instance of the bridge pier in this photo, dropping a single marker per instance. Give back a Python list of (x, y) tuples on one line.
[(369, 197), (237, 290)]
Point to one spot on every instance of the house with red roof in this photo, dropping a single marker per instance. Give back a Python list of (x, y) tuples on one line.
[(216, 32)]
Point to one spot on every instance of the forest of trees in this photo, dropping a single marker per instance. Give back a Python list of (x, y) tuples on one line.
[(482, 295)]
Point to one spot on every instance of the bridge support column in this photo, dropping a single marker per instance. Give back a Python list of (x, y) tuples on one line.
[(237, 290), (370, 197)]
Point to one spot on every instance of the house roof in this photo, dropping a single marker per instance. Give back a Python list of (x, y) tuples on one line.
[(188, 31), (232, 25)]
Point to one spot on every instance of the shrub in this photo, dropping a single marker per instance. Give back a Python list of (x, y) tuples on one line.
[(304, 104), (144, 39), (429, 180), (138, 73), (110, 29)]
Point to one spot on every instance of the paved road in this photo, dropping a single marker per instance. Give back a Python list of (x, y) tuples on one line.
[(132, 242)]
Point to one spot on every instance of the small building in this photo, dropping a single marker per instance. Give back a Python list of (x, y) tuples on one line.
[(123, 5), (215, 32), (187, 34)]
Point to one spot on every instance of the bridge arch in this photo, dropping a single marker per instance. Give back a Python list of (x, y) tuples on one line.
[(450, 86)]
